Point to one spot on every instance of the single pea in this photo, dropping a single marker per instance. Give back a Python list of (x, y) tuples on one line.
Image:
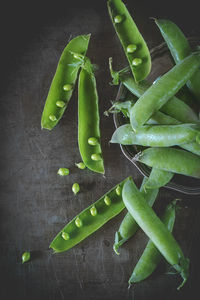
[(118, 19), (67, 87), (136, 61), (81, 165), (118, 190), (93, 211), (65, 236), (78, 222), (63, 171), (107, 200), (60, 104), (75, 188), (131, 48), (96, 156), (26, 257), (93, 141), (52, 118)]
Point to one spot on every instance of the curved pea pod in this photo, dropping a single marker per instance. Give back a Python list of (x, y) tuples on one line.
[(154, 228), (179, 48), (134, 45), (128, 226), (155, 135), (64, 80), (151, 256), (163, 89), (158, 178), (170, 159), (88, 120), (90, 219)]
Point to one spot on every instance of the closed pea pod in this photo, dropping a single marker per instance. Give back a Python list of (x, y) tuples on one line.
[(158, 178), (63, 82), (155, 229), (88, 120), (134, 46), (89, 220)]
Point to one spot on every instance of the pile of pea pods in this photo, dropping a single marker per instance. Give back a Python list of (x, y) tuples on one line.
[(164, 125)]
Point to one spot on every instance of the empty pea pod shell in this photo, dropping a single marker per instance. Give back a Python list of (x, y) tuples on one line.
[(90, 223), (134, 45), (65, 76)]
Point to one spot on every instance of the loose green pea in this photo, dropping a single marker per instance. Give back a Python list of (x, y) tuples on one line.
[(75, 188), (136, 61), (81, 165), (96, 156), (107, 200), (131, 48), (52, 118), (63, 171), (65, 236), (93, 211), (26, 257), (93, 141), (67, 87), (118, 190), (60, 104), (118, 19), (78, 222)]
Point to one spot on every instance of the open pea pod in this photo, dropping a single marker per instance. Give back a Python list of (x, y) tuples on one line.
[(90, 219), (64, 80), (134, 46)]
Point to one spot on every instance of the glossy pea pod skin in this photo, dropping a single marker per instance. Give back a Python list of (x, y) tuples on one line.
[(151, 256), (63, 82), (134, 45), (179, 48), (155, 135), (128, 226), (90, 219), (88, 121), (170, 159), (158, 178), (163, 89), (155, 229)]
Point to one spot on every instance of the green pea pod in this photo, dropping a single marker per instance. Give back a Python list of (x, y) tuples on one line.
[(179, 48), (128, 226), (88, 120), (155, 135), (134, 46), (158, 178), (151, 256), (64, 80), (87, 222), (154, 228), (170, 159)]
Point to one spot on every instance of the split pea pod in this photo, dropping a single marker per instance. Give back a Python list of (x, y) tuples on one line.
[(179, 48), (154, 228), (128, 226), (88, 120), (170, 159), (134, 45), (156, 135), (151, 256), (90, 219)]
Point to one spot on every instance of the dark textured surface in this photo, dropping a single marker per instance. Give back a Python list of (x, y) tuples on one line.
[(35, 203)]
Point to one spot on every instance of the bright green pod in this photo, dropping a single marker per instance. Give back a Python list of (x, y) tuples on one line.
[(158, 178), (129, 34), (88, 120), (90, 223), (65, 76)]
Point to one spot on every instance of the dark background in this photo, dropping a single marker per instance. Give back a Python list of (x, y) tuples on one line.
[(35, 203)]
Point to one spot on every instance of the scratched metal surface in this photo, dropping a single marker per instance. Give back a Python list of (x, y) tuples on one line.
[(36, 203)]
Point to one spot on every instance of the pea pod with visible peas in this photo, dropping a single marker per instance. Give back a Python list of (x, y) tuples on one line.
[(64, 80), (134, 46), (154, 228), (90, 219)]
